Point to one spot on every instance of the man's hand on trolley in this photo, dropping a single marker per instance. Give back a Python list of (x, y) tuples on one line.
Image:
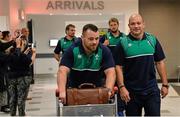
[(62, 96)]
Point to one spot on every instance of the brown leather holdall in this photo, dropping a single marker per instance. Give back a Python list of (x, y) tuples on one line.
[(87, 95)]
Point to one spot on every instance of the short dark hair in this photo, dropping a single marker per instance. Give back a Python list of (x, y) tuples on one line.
[(90, 27), (68, 27), (5, 33)]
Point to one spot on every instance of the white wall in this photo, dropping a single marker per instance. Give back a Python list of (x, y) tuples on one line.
[(4, 15), (3, 23)]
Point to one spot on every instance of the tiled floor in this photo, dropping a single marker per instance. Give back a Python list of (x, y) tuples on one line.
[(43, 101), (43, 97)]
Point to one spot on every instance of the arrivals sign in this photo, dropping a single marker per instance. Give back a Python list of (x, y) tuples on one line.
[(79, 6), (75, 5)]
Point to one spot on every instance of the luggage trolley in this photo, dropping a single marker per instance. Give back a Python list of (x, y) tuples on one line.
[(109, 109)]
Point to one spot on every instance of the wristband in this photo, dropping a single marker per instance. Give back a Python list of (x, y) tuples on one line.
[(165, 85), (121, 86)]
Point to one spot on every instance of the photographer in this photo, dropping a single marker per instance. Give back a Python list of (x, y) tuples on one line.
[(6, 44), (19, 80)]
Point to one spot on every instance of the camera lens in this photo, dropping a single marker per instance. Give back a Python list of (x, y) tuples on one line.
[(30, 45)]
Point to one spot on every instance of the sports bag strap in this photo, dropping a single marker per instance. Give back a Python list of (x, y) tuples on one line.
[(86, 86), (100, 95), (75, 96)]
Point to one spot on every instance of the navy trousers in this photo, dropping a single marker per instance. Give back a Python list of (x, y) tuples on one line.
[(150, 102)]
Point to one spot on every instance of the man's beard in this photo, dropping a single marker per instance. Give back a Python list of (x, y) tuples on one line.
[(137, 33), (114, 31), (71, 36), (90, 48)]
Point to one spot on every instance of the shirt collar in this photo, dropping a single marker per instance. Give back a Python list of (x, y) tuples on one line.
[(133, 38), (120, 34), (65, 38)]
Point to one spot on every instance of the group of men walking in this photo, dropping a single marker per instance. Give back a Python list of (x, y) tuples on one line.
[(129, 60)]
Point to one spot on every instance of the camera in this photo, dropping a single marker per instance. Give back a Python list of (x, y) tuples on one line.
[(17, 33), (30, 45)]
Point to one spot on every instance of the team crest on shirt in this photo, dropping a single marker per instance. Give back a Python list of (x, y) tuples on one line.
[(97, 57), (129, 45), (79, 56)]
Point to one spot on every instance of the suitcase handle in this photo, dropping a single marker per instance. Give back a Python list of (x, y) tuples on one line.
[(86, 86)]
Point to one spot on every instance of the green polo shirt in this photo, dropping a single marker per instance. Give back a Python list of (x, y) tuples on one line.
[(63, 44), (87, 68), (137, 58), (114, 41)]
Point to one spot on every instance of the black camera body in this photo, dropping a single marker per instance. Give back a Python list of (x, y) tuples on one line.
[(30, 45)]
